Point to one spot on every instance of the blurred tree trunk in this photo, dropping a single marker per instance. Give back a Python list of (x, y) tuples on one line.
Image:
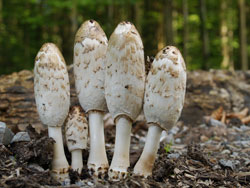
[(134, 11), (26, 40), (185, 28), (110, 16), (243, 39), (226, 34), (149, 28), (168, 22), (68, 30), (1, 12), (73, 18), (116, 13), (2, 57), (204, 34), (137, 15), (73, 28), (160, 30)]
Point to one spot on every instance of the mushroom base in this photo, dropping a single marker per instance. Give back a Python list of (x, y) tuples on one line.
[(120, 161), (61, 176), (76, 160), (60, 164), (98, 170), (145, 164), (97, 161)]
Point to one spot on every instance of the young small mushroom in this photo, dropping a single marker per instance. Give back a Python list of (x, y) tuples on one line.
[(124, 90), (89, 57), (76, 132), (163, 102), (52, 96)]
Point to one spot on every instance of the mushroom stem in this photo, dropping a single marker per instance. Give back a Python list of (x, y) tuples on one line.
[(97, 161), (60, 164), (145, 164), (76, 158), (120, 161)]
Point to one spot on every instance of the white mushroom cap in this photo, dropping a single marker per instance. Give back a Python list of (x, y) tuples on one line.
[(165, 88), (76, 129), (89, 58), (125, 72), (52, 89)]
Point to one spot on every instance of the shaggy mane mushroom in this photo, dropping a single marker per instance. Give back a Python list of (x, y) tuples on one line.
[(52, 96), (124, 90), (89, 57), (76, 133), (163, 102)]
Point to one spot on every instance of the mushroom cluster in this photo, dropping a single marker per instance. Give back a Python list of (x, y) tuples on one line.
[(109, 77)]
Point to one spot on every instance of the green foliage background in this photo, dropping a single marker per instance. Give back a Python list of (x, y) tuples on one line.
[(26, 24)]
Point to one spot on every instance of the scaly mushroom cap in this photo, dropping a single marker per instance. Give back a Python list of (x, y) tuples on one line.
[(76, 129), (125, 72), (51, 85), (89, 58), (165, 88)]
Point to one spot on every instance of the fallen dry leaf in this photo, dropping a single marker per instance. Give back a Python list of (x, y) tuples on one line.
[(217, 114), (246, 120), (240, 115)]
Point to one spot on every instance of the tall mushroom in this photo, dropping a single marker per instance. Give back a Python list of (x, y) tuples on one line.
[(89, 58), (52, 95), (124, 90), (163, 102), (76, 132)]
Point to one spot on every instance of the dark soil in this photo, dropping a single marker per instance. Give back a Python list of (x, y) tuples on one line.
[(26, 164), (195, 153), (23, 163)]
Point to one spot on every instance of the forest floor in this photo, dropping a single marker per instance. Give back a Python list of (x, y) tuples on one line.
[(208, 147), (221, 158)]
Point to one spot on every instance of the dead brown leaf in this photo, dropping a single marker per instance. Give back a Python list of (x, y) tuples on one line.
[(217, 114), (240, 115)]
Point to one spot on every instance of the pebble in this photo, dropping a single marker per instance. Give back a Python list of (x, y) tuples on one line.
[(237, 129), (245, 143), (177, 140), (169, 137), (174, 130), (227, 163), (244, 128), (90, 183), (215, 123), (6, 134), (80, 184), (202, 125), (236, 162), (173, 155), (166, 138), (66, 182), (235, 154), (185, 128), (247, 161), (216, 167), (36, 167), (204, 138), (21, 137), (226, 151)]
